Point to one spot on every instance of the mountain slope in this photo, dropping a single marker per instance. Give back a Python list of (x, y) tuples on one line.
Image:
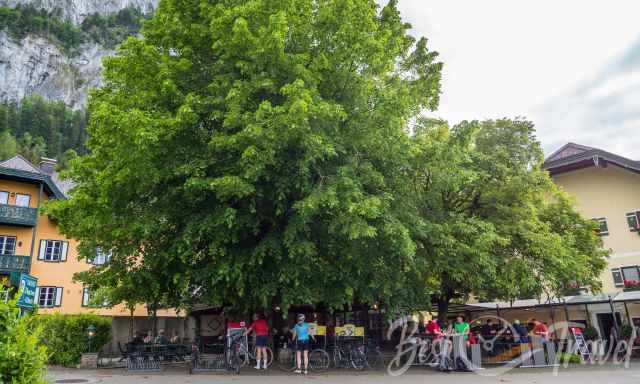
[(38, 60)]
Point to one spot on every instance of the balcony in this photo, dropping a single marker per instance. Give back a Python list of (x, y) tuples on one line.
[(14, 215), (12, 263)]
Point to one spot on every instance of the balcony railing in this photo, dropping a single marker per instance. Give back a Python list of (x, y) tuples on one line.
[(14, 215), (13, 263)]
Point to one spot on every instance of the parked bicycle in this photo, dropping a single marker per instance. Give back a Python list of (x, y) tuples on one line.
[(247, 353), (349, 353), (229, 360), (319, 359)]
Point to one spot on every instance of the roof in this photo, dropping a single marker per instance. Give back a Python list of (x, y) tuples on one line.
[(574, 156), (20, 169), (569, 300)]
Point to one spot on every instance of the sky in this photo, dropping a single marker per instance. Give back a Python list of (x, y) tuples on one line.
[(570, 66)]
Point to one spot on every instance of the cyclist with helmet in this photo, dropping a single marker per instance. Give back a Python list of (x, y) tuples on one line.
[(301, 336)]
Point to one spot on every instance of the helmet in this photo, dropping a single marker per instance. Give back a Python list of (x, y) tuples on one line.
[(301, 317)]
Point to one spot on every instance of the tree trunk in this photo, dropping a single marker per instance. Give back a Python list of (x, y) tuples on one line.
[(443, 307), (131, 321)]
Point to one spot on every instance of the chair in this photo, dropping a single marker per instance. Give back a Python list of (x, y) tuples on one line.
[(123, 352)]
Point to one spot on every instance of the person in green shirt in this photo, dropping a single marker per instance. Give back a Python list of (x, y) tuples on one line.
[(461, 328)]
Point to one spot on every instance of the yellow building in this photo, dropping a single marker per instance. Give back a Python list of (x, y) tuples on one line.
[(30, 243)]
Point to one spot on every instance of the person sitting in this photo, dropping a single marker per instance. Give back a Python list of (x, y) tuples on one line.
[(488, 331), (137, 339), (433, 329), (521, 334), (161, 338)]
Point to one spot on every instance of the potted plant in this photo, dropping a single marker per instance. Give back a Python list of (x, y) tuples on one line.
[(626, 331), (631, 285), (590, 333)]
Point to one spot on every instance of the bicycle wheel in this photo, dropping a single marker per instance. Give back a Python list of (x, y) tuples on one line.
[(234, 362), (286, 360), (337, 358), (358, 358), (319, 360), (374, 358)]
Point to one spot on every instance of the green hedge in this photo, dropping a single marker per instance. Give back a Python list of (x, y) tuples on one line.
[(22, 357), (66, 336)]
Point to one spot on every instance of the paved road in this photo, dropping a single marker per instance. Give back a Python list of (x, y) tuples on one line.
[(577, 375)]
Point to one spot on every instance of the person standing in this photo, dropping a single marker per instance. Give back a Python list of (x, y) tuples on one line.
[(540, 329), (301, 336), (261, 329), (461, 327)]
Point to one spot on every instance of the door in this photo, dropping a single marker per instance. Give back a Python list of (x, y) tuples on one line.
[(605, 322)]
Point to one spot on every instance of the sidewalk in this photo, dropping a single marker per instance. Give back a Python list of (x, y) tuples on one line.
[(578, 375)]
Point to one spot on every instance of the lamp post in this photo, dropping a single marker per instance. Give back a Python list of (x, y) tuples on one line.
[(91, 332)]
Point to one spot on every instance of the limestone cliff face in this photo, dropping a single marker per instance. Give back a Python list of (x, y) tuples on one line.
[(36, 65), (78, 10)]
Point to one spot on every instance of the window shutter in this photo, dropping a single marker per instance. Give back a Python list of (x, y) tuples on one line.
[(85, 297), (65, 248), (43, 249), (58, 297), (618, 280), (37, 298)]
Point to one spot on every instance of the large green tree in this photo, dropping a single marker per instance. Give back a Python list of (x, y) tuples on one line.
[(493, 223), (256, 152)]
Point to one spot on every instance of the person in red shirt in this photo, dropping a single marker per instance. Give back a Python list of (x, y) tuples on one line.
[(261, 328), (540, 329), (433, 328)]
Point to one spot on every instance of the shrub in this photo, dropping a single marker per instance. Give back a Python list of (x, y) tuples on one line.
[(571, 358), (22, 357), (66, 336)]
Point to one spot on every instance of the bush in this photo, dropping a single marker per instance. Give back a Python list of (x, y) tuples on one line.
[(22, 357), (571, 358), (67, 339)]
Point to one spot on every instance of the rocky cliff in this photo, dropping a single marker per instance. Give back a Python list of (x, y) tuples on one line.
[(35, 64), (78, 10)]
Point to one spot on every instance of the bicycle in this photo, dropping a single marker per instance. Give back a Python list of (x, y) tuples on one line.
[(350, 354), (373, 355), (230, 360), (248, 354), (319, 359)]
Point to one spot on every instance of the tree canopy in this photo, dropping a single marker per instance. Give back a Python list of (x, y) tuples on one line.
[(256, 152), (493, 223)]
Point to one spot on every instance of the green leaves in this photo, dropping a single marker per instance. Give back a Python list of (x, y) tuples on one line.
[(252, 153), (22, 356), (493, 224)]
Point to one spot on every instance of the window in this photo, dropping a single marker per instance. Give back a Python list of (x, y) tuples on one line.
[(101, 257), (49, 297), (53, 250), (4, 197), (631, 273), (632, 221), (22, 200), (604, 229), (88, 297), (7, 245), (618, 280)]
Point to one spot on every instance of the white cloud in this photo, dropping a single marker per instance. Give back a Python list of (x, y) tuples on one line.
[(568, 65)]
